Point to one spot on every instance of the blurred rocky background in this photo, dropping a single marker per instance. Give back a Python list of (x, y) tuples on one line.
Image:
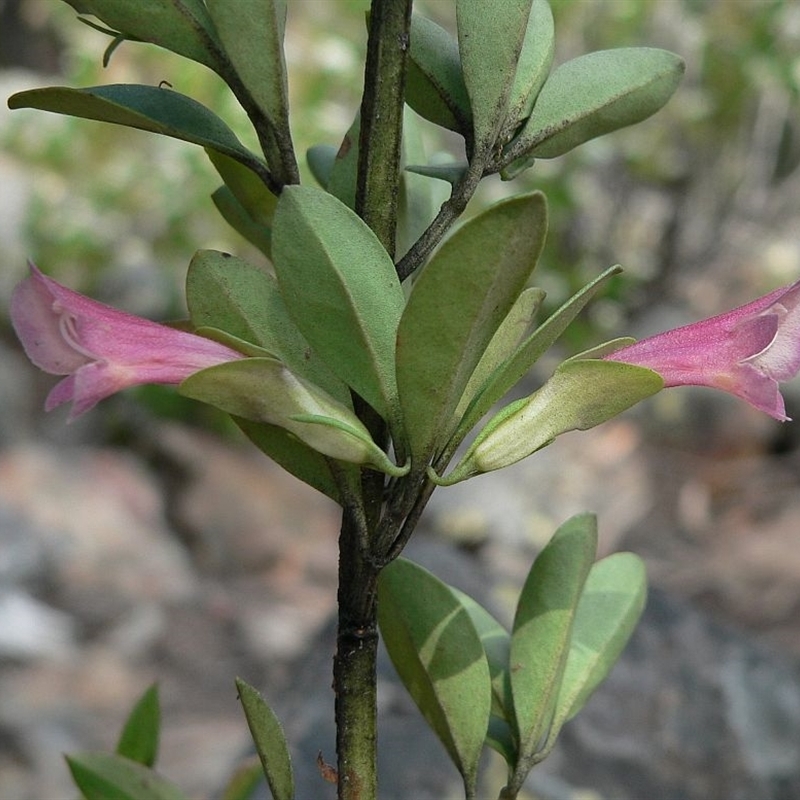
[(147, 542)]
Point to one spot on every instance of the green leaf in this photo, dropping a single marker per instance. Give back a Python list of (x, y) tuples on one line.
[(320, 160), (419, 198), (434, 85), (596, 94), (533, 67), (503, 344), (439, 657), (252, 36), (496, 642), (148, 108), (265, 390), (612, 602), (542, 629), (344, 170), (581, 394), (270, 741), (452, 172), (296, 457), (139, 738), (341, 288), (103, 776), (508, 374), (235, 214), (490, 37), (247, 187), (242, 299), (245, 780), (181, 26), (456, 306)]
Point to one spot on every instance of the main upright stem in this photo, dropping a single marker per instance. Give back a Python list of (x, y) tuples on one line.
[(354, 672)]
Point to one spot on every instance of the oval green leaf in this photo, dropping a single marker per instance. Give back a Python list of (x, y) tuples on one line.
[(243, 299), (439, 656), (434, 85), (101, 776), (247, 187), (269, 740), (612, 601), (140, 734), (533, 67), (252, 37), (148, 108), (341, 288), (456, 306), (490, 37), (595, 94), (542, 629)]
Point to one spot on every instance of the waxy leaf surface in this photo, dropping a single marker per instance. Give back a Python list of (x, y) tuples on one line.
[(439, 657)]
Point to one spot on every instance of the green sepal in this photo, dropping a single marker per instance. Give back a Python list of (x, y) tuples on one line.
[(456, 305), (181, 26), (533, 67), (507, 338), (490, 37), (148, 108), (439, 656), (340, 287), (376, 457), (581, 394), (101, 776), (265, 390), (269, 740), (508, 374), (595, 94), (542, 630), (139, 738), (434, 85)]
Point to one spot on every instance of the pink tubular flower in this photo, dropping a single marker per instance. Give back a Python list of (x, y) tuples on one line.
[(746, 352), (100, 349)]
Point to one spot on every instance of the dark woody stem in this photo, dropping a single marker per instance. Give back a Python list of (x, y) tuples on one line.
[(354, 671)]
